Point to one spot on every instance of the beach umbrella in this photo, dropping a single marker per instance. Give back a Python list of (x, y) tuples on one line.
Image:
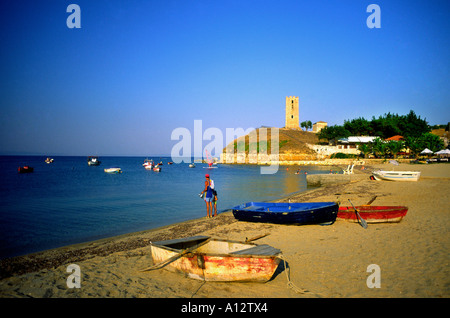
[(443, 152), (426, 151)]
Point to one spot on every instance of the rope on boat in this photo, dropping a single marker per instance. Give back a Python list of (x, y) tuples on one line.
[(291, 284)]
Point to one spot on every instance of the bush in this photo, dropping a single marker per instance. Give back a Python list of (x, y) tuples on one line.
[(340, 155)]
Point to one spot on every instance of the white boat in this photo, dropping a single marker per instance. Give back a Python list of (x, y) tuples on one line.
[(113, 170), (148, 164), (191, 165), (93, 161), (396, 175)]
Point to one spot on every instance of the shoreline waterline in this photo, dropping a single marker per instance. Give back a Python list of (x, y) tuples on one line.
[(328, 261), (68, 202), (48, 258)]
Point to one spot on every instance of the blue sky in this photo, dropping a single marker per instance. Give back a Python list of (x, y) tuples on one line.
[(137, 70)]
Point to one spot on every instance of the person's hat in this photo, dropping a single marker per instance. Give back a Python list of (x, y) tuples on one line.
[(207, 175)]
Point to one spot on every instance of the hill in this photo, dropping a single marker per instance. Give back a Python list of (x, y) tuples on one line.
[(292, 144)]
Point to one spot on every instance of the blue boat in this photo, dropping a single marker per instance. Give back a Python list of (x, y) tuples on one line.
[(287, 213)]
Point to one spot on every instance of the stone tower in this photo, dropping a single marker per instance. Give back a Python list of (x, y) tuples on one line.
[(292, 119)]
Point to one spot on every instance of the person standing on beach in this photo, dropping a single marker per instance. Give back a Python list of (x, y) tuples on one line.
[(208, 196), (214, 196)]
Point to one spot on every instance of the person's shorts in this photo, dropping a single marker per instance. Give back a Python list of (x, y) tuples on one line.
[(208, 199)]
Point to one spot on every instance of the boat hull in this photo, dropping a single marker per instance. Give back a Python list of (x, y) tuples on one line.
[(373, 214), (93, 161), (216, 260), (396, 175), (113, 170), (25, 169), (287, 213)]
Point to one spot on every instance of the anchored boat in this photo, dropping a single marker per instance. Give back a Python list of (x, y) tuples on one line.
[(93, 161), (25, 169), (113, 170), (208, 259), (287, 213), (148, 164)]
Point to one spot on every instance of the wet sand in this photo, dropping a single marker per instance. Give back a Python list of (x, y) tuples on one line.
[(324, 261)]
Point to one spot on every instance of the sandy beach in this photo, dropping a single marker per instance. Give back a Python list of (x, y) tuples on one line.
[(324, 261)]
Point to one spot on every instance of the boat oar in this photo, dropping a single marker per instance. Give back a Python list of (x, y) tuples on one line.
[(361, 220), (256, 237), (169, 260), (370, 202)]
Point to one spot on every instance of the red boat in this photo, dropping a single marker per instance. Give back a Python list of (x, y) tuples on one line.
[(25, 169), (373, 214)]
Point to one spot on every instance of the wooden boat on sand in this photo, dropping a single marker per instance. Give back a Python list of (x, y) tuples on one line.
[(396, 175), (373, 214), (287, 213), (208, 259)]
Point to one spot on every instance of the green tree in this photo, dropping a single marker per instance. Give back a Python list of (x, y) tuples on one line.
[(359, 127), (412, 125), (306, 124), (395, 146), (414, 144), (333, 132), (386, 126), (365, 149), (379, 147), (431, 141)]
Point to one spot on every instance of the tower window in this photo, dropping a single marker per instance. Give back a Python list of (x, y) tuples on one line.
[(292, 116)]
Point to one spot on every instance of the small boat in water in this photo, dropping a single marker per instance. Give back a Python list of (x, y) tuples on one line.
[(373, 214), (25, 169), (93, 161), (113, 170), (148, 164), (49, 160), (157, 168), (191, 165), (208, 259), (287, 213), (396, 175)]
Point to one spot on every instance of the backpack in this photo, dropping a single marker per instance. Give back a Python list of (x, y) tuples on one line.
[(211, 185)]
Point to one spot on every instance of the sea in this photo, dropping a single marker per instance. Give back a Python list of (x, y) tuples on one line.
[(69, 202)]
